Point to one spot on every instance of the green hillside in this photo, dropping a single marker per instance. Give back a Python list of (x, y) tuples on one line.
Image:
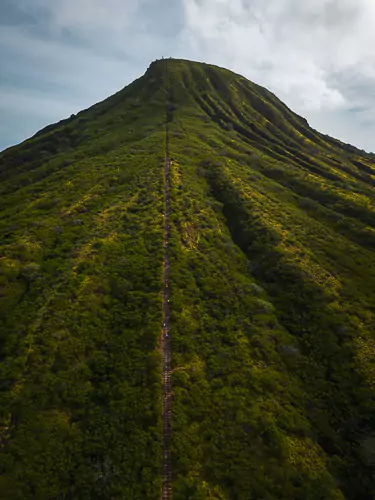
[(272, 279)]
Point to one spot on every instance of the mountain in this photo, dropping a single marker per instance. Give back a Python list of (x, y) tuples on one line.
[(271, 259)]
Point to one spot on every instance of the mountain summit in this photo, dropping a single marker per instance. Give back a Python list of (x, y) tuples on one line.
[(187, 300)]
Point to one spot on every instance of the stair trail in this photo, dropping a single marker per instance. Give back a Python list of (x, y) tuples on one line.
[(166, 346)]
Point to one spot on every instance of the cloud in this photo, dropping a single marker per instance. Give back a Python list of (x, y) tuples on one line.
[(250, 37), (302, 51)]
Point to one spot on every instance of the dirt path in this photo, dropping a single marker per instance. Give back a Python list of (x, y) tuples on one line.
[(166, 346)]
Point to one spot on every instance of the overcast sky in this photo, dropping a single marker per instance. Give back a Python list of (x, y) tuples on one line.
[(60, 56)]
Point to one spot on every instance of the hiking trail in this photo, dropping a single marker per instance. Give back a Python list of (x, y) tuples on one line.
[(166, 346)]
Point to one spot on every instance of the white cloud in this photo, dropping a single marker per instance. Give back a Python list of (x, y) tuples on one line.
[(298, 49)]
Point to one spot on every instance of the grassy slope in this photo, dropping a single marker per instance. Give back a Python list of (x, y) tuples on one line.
[(80, 277), (272, 275), (273, 297)]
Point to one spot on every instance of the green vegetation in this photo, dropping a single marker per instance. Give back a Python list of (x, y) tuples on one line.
[(272, 299), (80, 279)]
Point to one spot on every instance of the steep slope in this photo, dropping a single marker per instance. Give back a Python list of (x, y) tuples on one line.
[(81, 273), (273, 284), (271, 288)]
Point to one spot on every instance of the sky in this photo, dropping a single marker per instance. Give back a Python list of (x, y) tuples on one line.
[(58, 57)]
